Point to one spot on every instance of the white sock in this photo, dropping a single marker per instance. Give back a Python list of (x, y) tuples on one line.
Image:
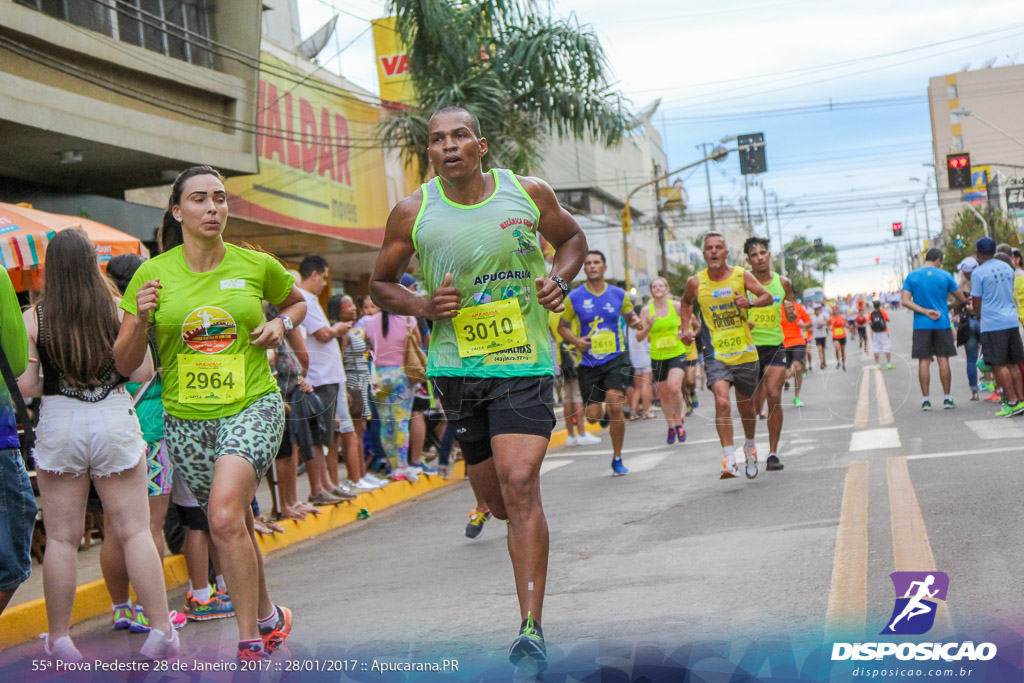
[(202, 594), (947, 397), (749, 444), (221, 585), (268, 622), (728, 451), (125, 605)]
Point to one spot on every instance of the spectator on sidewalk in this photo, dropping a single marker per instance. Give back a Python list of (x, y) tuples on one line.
[(357, 388), (327, 375), (993, 304), (88, 433), (972, 343), (925, 292)]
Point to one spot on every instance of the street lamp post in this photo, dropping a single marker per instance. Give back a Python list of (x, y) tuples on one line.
[(967, 112), (717, 154)]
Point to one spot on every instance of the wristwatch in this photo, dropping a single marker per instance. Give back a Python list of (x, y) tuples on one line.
[(288, 325), (561, 285)]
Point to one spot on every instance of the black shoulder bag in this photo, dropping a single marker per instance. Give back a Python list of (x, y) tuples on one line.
[(28, 436)]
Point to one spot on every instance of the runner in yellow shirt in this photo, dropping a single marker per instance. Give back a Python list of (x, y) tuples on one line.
[(730, 356)]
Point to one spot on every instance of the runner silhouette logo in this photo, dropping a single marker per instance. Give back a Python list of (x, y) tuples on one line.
[(917, 599)]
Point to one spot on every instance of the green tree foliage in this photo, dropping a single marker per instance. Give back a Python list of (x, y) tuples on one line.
[(967, 229), (803, 261), (525, 76), (677, 278)]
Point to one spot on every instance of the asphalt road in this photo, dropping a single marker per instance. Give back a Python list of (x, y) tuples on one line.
[(671, 554)]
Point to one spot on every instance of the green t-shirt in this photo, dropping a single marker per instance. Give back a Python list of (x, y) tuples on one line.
[(202, 325)]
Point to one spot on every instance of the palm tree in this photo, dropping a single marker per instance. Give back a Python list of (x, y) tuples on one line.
[(525, 76)]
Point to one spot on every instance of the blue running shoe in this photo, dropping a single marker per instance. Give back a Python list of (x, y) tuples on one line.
[(528, 651), (680, 434), (671, 436), (618, 469)]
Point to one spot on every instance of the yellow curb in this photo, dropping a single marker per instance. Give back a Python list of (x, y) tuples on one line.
[(24, 622)]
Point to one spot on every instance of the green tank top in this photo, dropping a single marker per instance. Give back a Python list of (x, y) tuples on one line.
[(768, 319), (665, 341), (493, 252)]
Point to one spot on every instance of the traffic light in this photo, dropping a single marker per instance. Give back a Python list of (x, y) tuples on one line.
[(752, 159), (897, 229), (958, 167), (819, 246)]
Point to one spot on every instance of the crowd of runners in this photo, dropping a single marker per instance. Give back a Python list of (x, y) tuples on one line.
[(221, 325)]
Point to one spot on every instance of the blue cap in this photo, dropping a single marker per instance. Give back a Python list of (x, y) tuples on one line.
[(986, 246), (410, 281)]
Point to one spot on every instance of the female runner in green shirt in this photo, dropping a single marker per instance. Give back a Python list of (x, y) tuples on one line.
[(669, 356), (225, 415)]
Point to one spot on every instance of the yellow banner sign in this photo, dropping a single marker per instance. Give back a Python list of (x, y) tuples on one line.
[(392, 64), (321, 165)]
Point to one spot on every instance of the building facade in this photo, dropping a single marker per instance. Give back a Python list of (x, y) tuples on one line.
[(99, 97), (992, 132)]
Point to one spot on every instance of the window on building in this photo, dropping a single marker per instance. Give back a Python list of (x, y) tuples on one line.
[(176, 28)]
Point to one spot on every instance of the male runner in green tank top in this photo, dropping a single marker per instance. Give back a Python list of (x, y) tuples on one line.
[(766, 328), (476, 235)]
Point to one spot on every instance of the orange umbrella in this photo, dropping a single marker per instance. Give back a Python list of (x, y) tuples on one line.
[(25, 232)]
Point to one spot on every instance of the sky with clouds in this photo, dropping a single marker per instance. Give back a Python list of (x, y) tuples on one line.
[(838, 88)]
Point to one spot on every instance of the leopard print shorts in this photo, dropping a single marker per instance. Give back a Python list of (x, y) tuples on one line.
[(194, 445)]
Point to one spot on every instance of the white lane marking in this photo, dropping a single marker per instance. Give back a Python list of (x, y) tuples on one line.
[(997, 428), (643, 463), (860, 419), (873, 439), (548, 466), (885, 416), (565, 452), (950, 454)]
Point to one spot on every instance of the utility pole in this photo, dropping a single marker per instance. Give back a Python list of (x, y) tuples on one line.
[(778, 224), (707, 176), (660, 222), (746, 192)]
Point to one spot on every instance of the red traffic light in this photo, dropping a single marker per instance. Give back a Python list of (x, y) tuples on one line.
[(897, 226), (958, 162)]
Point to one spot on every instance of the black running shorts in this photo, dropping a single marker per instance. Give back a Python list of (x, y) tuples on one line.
[(768, 356), (661, 367), (597, 381), (1002, 347), (928, 343), (481, 407), (796, 354)]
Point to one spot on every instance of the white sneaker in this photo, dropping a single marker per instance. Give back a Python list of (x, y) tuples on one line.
[(571, 441), (158, 646), (587, 439), (411, 474), (374, 480), (365, 484), (62, 649), (730, 470)]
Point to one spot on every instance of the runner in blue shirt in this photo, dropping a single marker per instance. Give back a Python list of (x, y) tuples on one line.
[(925, 292), (605, 371)]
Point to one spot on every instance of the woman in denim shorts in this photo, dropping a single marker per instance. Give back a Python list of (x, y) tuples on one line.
[(88, 430)]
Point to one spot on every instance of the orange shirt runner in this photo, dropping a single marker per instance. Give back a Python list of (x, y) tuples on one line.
[(794, 336), (838, 325)]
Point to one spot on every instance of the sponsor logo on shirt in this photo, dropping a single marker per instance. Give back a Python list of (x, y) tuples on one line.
[(235, 283), (209, 329), (722, 293), (502, 275)]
